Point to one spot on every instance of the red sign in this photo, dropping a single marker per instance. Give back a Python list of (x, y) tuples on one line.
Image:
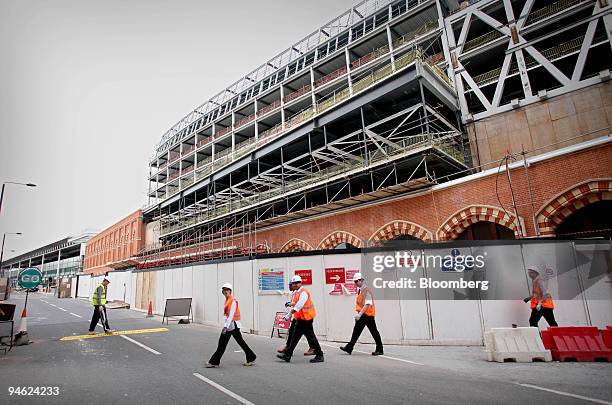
[(334, 275), (306, 276), (350, 286), (280, 322), (337, 290)]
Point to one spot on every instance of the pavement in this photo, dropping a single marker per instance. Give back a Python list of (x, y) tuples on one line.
[(166, 365)]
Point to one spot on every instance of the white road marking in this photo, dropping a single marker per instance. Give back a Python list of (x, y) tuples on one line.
[(223, 389), (237, 351), (383, 356), (53, 305), (78, 316), (567, 394), (65, 310), (140, 344)]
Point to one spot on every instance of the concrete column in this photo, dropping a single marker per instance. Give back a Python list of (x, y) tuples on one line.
[(312, 93), (348, 70), (391, 50), (59, 257), (282, 95), (256, 119)]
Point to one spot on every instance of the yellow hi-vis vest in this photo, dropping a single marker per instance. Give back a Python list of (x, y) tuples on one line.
[(94, 295)]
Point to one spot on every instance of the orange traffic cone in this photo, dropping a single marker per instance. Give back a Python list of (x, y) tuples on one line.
[(150, 313), (21, 338)]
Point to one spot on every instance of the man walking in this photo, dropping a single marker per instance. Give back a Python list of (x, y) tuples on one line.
[(541, 301), (289, 305), (364, 306), (303, 312), (98, 300), (231, 327)]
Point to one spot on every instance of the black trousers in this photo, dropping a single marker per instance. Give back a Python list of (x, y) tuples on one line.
[(303, 328), (96, 317), (547, 313), (224, 340), (370, 322), (290, 332)]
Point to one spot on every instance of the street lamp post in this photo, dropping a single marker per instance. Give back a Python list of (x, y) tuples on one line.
[(12, 182), (2, 250)]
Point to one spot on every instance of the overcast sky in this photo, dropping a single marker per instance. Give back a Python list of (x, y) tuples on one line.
[(87, 89)]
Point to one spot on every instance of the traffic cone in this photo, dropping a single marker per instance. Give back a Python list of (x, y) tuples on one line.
[(150, 313), (21, 338)]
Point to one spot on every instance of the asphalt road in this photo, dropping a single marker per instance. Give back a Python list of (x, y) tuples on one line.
[(168, 367)]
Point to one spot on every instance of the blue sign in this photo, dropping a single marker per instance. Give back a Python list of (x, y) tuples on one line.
[(456, 262), (271, 280)]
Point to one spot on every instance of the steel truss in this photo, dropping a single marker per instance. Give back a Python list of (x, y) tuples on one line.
[(521, 36), (326, 166)]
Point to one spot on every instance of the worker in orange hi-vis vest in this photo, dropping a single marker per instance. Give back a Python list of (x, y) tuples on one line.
[(541, 301), (289, 305), (366, 310), (303, 311), (231, 327)]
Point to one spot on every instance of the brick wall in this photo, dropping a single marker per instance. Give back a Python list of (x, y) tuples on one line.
[(429, 211), (117, 242)]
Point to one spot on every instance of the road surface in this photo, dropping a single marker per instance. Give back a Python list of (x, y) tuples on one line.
[(167, 366)]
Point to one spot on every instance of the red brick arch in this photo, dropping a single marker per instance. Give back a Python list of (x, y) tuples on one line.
[(554, 212), (294, 245), (337, 237), (396, 228), (462, 219)]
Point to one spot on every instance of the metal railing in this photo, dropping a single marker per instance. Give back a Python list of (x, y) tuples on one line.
[(550, 10), (446, 143)]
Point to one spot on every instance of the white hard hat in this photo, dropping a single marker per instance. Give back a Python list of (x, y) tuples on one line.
[(357, 276), (295, 279), (228, 286)]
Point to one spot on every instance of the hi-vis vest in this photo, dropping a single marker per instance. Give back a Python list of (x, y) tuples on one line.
[(228, 307), (361, 300), (94, 295), (536, 296), (308, 310)]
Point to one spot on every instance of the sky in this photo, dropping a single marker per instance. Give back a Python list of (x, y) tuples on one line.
[(87, 89)]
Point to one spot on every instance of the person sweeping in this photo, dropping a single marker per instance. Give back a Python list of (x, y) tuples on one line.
[(98, 300), (231, 327)]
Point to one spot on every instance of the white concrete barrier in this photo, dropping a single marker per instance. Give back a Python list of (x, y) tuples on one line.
[(520, 345)]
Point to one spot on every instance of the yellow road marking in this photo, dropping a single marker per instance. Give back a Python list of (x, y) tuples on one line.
[(120, 332)]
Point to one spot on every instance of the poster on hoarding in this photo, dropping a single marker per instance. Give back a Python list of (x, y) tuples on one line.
[(271, 281), (306, 276), (350, 286)]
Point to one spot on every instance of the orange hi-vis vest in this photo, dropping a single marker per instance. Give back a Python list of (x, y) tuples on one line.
[(228, 306), (308, 310), (361, 300), (536, 296)]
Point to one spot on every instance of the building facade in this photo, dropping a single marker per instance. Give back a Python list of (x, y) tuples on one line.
[(423, 119), (63, 258), (114, 244)]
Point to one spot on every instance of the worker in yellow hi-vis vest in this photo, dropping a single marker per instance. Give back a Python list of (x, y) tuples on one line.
[(98, 300), (231, 327), (366, 310)]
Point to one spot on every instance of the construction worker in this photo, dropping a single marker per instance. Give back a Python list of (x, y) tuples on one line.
[(303, 311), (98, 300), (231, 327), (541, 301), (289, 305), (366, 311)]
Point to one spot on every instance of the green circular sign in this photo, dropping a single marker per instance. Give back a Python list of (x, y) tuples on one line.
[(30, 277)]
